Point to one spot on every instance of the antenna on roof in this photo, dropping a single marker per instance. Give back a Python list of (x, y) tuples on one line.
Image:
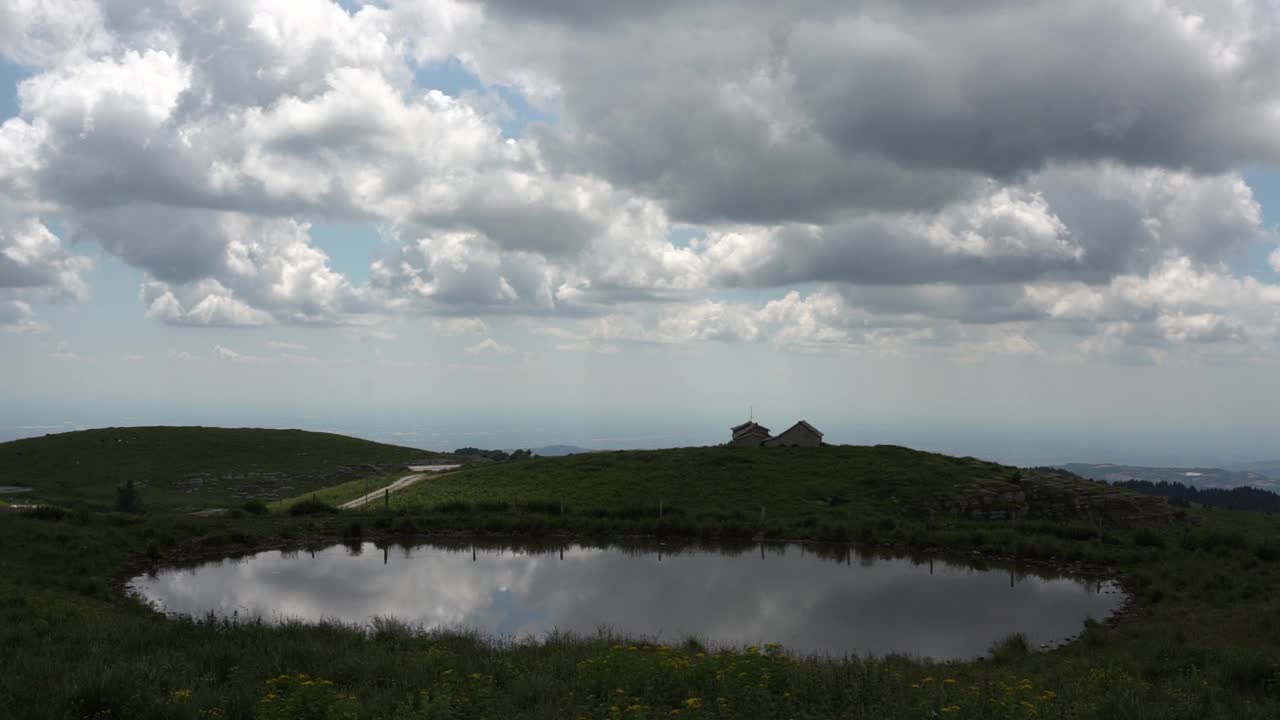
[(751, 413)]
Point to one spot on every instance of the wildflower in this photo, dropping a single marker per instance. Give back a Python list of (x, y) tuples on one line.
[(182, 694), (951, 709), (949, 681), (693, 703), (1048, 695), (927, 680)]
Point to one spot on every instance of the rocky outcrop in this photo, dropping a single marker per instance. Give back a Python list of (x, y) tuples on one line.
[(1062, 496)]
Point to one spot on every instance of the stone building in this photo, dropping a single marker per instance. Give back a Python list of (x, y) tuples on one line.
[(753, 434), (802, 434), (749, 434)]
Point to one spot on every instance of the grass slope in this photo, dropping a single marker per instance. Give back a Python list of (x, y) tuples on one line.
[(797, 488), (84, 468)]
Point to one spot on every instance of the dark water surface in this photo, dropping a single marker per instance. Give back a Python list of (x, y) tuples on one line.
[(835, 602)]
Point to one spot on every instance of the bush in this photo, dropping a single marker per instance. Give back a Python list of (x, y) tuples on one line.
[(1011, 648), (128, 498), (255, 507), (312, 507)]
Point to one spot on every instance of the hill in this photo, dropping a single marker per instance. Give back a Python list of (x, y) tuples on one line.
[(560, 450), (1196, 477), (791, 487), (190, 467), (1269, 468), (1250, 499)]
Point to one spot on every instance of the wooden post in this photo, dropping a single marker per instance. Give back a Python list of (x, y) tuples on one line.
[(386, 499), (762, 515)]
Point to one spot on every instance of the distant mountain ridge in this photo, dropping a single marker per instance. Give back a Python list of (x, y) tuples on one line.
[(1199, 477)]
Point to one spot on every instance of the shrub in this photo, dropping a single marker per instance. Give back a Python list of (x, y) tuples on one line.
[(312, 507), (128, 498), (255, 507), (1011, 648)]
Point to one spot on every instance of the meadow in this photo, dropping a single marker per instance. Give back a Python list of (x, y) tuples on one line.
[(1202, 642), (83, 469)]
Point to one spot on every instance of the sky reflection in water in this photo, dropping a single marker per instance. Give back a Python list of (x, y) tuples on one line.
[(783, 594)]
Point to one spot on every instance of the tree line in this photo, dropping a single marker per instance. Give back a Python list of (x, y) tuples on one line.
[(1237, 498), (495, 455)]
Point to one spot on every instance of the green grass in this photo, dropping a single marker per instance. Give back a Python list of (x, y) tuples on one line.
[(344, 492), (1204, 647), (1204, 644), (787, 492), (82, 469)]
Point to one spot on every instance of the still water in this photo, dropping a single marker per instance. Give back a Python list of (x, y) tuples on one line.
[(836, 602)]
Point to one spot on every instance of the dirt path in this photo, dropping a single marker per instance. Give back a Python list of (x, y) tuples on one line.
[(396, 486)]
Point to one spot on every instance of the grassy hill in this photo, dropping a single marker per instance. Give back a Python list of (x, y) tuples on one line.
[(190, 467), (796, 487)]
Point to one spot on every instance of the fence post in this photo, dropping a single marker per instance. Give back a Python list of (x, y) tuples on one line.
[(386, 499)]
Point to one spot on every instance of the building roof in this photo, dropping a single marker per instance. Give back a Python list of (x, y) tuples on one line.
[(746, 427), (806, 426)]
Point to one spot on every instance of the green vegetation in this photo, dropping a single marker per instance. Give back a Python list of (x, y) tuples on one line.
[(1204, 644), (188, 467), (342, 493), (834, 493)]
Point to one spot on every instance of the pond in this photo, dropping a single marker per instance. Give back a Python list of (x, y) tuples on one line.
[(831, 601)]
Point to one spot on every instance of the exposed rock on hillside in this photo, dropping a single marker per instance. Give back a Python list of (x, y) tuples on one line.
[(1059, 495)]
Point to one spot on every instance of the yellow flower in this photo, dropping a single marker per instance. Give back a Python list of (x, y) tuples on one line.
[(949, 681), (182, 694), (693, 702), (927, 680)]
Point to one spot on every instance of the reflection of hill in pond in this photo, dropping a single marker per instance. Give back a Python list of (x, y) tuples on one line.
[(832, 601)]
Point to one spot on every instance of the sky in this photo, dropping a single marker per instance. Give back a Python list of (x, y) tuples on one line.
[(1034, 231)]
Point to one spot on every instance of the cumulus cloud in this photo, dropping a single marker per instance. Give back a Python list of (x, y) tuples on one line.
[(16, 317), (877, 175), (489, 345), (460, 326)]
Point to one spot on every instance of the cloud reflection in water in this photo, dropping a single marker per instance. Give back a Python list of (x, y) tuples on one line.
[(785, 595)]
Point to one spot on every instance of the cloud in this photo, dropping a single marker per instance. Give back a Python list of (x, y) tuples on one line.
[(451, 327), (16, 317), (227, 354), (489, 345), (730, 111), (287, 346), (33, 261), (63, 353), (992, 177)]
